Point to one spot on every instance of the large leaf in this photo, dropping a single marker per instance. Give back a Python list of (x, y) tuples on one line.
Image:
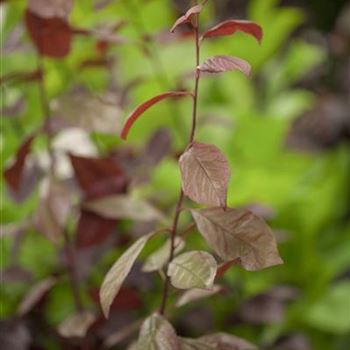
[(197, 294), (134, 115), (157, 333), (123, 207), (195, 10), (238, 233), (160, 257), (205, 174), (232, 26), (227, 342), (196, 269), (118, 272), (220, 64)]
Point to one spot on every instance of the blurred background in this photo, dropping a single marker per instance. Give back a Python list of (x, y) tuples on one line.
[(285, 132)]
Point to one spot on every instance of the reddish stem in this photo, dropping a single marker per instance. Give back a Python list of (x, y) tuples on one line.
[(181, 197)]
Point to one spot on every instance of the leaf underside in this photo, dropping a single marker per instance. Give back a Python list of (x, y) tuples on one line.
[(205, 174), (238, 234), (196, 269)]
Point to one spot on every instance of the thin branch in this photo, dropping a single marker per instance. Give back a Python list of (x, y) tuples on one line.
[(181, 197)]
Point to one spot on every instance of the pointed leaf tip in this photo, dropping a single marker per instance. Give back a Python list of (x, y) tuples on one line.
[(138, 111), (118, 273), (238, 234)]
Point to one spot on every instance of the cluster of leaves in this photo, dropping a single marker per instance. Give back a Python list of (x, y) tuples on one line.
[(91, 198)]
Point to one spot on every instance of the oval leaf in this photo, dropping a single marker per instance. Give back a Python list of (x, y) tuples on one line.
[(238, 233), (123, 207), (76, 325), (220, 64), (157, 333), (118, 272), (227, 342), (146, 105), (160, 257), (51, 36), (232, 26), (197, 294), (195, 10), (205, 174), (194, 269)]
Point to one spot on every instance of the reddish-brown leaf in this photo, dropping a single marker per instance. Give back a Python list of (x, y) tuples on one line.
[(51, 36), (195, 10), (93, 229), (146, 105), (232, 26), (51, 8), (238, 234), (205, 174), (13, 174), (98, 176), (220, 64)]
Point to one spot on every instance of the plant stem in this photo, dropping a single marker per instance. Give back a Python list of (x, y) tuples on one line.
[(71, 265), (182, 195)]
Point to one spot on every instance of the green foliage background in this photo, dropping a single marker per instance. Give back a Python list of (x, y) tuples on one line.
[(307, 191)]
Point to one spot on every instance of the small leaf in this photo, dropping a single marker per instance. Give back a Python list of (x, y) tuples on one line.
[(118, 272), (197, 294), (35, 294), (238, 233), (76, 325), (220, 64), (160, 257), (13, 174), (146, 105), (232, 26), (196, 269), (195, 10), (51, 8), (205, 174), (51, 36), (227, 342), (123, 207), (157, 333)]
